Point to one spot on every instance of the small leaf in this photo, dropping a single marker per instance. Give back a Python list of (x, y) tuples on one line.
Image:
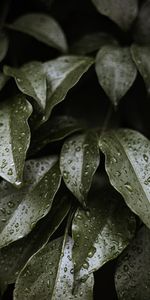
[(127, 162), (79, 160), (116, 71), (101, 232), (15, 256), (62, 74), (15, 137), (42, 27), (49, 275), (123, 13), (132, 276), (141, 57), (4, 43), (31, 80), (22, 209)]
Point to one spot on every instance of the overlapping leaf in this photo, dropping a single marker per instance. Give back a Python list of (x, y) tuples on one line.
[(116, 71), (15, 137), (102, 232), (142, 24), (4, 43), (42, 27), (127, 161), (121, 12), (133, 271), (79, 160), (49, 275), (22, 209)]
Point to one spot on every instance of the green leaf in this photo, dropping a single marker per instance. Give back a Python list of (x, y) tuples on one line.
[(116, 71), (22, 209), (62, 74), (31, 80), (101, 232), (49, 275), (43, 28), (141, 57), (15, 137), (15, 256), (127, 162), (3, 80), (79, 160), (4, 43), (123, 13), (132, 276)]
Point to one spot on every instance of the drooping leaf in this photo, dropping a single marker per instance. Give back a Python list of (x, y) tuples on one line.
[(123, 13), (116, 71), (132, 278), (127, 162), (31, 80), (62, 74), (3, 80), (142, 25), (22, 209), (42, 27), (102, 232), (53, 130), (49, 275), (15, 137), (79, 160), (141, 57), (15, 256), (4, 43)]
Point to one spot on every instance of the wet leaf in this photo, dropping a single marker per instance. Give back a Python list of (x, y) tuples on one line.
[(141, 57), (62, 74), (31, 80), (49, 275), (4, 43), (15, 137), (123, 13), (15, 256), (42, 27), (127, 162), (79, 160), (22, 209), (116, 71), (101, 232), (132, 276)]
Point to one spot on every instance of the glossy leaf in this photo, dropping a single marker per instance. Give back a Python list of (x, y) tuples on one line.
[(22, 209), (42, 27), (141, 57), (79, 160), (116, 71), (15, 137), (132, 276), (127, 162), (49, 275), (15, 256), (4, 43), (123, 13), (101, 232), (31, 80), (62, 74)]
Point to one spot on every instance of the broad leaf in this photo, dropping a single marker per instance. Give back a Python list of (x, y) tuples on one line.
[(62, 74), (15, 137), (141, 57), (3, 80), (49, 275), (3, 45), (22, 209), (31, 80), (15, 256), (127, 162), (42, 27), (133, 271), (123, 13), (79, 160), (101, 232), (116, 71)]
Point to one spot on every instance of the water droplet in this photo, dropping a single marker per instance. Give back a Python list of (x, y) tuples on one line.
[(10, 172), (128, 187), (145, 157), (65, 174)]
